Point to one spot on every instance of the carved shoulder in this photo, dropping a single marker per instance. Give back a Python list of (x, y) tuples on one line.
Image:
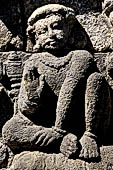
[(82, 53), (82, 57), (32, 62)]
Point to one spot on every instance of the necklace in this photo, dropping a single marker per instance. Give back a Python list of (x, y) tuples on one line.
[(54, 62)]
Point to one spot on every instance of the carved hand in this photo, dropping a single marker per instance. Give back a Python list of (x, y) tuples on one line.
[(33, 83), (46, 136), (89, 146)]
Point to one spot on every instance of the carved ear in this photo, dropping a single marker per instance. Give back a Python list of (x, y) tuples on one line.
[(29, 47)]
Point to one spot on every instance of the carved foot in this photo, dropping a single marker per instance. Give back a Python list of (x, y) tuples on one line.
[(89, 146), (69, 145)]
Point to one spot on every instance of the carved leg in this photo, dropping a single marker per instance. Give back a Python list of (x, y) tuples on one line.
[(79, 71), (19, 132), (97, 114), (82, 66)]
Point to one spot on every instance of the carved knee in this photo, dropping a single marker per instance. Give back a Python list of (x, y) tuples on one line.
[(95, 80), (11, 130), (97, 104)]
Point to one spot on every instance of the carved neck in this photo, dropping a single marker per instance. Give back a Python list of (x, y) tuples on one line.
[(53, 61)]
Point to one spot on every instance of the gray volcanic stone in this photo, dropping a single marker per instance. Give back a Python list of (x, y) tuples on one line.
[(56, 99), (99, 30), (80, 6), (57, 82), (37, 160), (69, 145), (5, 36), (11, 29)]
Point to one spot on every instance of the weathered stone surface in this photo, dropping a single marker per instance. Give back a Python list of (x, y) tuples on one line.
[(77, 38), (65, 97), (3, 151), (23, 56), (37, 160), (14, 15), (5, 36), (58, 80), (99, 30), (10, 78), (104, 63), (80, 6), (7, 39), (11, 28), (69, 145)]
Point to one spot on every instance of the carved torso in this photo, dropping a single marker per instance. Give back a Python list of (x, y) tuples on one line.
[(54, 69)]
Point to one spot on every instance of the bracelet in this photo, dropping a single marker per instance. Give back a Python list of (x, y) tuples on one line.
[(63, 132)]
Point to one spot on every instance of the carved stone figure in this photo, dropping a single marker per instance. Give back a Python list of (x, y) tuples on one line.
[(61, 90)]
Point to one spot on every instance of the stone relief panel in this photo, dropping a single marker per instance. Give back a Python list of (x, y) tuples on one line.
[(59, 92), (52, 82)]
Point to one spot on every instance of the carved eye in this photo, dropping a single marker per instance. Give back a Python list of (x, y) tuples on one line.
[(43, 31), (56, 26)]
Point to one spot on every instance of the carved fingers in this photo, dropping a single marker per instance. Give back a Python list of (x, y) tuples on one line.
[(41, 84), (45, 137), (31, 74), (89, 147), (34, 83)]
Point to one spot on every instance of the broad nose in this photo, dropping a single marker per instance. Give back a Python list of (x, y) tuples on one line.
[(50, 32)]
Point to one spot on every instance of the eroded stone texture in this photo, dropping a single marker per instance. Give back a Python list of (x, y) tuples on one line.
[(11, 28), (67, 149), (80, 6), (77, 38), (105, 65), (62, 91), (65, 98), (5, 36), (7, 39), (36, 160), (10, 77), (99, 29)]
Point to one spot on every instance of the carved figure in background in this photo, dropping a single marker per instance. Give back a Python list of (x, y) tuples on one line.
[(60, 91)]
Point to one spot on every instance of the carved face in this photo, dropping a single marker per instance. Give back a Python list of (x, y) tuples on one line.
[(51, 33)]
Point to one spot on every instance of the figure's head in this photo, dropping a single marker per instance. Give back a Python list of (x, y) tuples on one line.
[(51, 26)]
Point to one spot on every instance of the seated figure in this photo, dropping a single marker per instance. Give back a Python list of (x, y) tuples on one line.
[(62, 94)]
